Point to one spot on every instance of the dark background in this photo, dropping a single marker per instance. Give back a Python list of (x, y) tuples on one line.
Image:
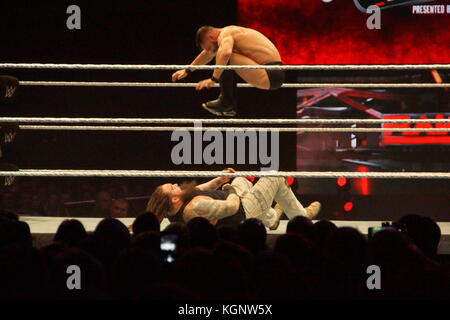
[(156, 32), (142, 32), (136, 32)]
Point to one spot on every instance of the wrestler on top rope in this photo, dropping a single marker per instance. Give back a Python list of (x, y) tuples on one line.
[(234, 45)]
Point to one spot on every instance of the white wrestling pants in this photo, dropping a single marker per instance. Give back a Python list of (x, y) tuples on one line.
[(257, 199)]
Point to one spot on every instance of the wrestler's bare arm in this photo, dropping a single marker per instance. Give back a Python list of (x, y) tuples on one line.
[(211, 185), (253, 44), (210, 209), (226, 43), (203, 58), (216, 182)]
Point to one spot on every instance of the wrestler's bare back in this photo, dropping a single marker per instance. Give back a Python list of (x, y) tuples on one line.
[(251, 43)]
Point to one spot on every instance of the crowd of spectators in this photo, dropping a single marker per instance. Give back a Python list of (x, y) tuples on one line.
[(72, 198), (310, 261)]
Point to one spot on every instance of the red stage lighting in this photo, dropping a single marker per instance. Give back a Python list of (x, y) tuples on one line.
[(348, 206), (363, 183), (341, 181), (290, 180)]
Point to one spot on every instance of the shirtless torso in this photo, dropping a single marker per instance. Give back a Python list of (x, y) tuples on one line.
[(235, 45), (251, 43)]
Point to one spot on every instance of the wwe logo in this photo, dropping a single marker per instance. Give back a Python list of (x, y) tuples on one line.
[(9, 181), (9, 137), (9, 93)]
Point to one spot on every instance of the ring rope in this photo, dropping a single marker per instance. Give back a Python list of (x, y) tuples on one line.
[(241, 85), (201, 174), (224, 67), (134, 128), (211, 121)]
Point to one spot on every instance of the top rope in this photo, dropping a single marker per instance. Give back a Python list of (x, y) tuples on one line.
[(142, 121), (242, 85), (225, 67), (204, 174)]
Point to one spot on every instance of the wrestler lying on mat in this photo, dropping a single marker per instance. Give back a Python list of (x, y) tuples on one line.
[(231, 205), (234, 45)]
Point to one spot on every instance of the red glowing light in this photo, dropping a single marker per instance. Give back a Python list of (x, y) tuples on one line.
[(348, 206), (363, 184), (341, 181), (251, 179), (290, 180)]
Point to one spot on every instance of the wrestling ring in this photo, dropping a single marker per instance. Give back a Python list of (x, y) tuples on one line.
[(48, 225)]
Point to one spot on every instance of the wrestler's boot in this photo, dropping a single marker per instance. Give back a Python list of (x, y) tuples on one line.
[(286, 198), (225, 105)]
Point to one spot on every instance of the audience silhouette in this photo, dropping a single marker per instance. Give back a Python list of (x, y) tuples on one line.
[(309, 261)]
